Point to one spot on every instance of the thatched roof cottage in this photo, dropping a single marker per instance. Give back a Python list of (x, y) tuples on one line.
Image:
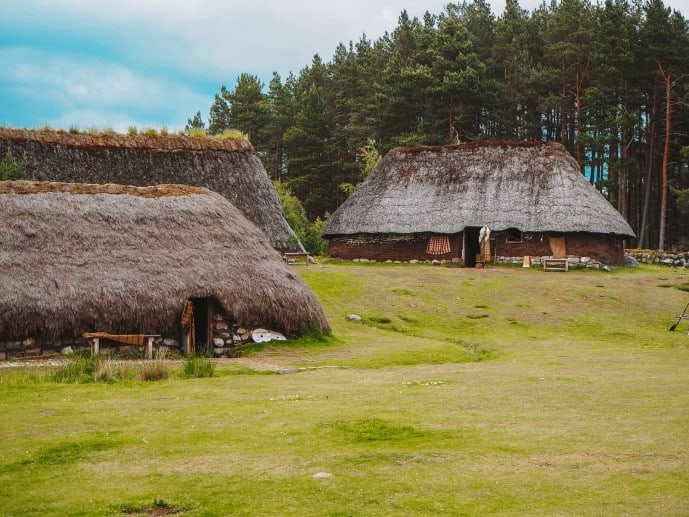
[(124, 260), (431, 202), (230, 167)]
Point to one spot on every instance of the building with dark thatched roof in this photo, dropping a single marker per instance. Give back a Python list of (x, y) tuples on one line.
[(426, 203), (123, 260), (230, 167)]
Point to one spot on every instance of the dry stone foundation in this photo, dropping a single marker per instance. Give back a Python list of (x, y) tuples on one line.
[(663, 258), (227, 339)]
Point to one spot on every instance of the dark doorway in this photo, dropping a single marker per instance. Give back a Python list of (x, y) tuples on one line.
[(471, 246), (202, 327)]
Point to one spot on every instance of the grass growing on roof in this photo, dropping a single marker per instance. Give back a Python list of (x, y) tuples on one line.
[(580, 409)]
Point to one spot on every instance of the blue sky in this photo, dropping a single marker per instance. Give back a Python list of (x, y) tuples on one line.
[(153, 63)]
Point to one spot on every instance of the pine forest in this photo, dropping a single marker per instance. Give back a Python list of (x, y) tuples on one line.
[(609, 80)]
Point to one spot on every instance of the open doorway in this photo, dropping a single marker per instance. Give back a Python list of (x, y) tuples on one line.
[(471, 246), (202, 326)]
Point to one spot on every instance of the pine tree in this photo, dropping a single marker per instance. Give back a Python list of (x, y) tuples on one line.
[(196, 122), (249, 108), (219, 116), (281, 115), (307, 142)]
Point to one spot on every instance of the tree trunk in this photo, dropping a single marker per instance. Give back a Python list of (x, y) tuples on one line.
[(278, 166), (643, 231), (622, 173), (580, 81), (667, 79), (622, 176), (580, 127)]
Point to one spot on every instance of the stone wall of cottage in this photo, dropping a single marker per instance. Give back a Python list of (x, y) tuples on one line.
[(227, 338), (392, 247), (605, 249), (37, 347)]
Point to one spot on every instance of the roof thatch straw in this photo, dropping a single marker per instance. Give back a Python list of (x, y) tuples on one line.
[(230, 167), (530, 186), (122, 259)]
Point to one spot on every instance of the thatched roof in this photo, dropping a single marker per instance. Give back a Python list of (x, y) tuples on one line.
[(230, 167), (80, 258), (531, 186)]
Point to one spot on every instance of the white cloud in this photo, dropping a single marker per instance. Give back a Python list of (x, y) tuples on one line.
[(212, 38), (92, 92)]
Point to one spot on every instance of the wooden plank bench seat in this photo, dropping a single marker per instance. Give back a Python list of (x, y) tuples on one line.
[(555, 264), (295, 255), (95, 337)]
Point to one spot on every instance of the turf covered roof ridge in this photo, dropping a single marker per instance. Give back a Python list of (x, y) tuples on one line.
[(138, 141)]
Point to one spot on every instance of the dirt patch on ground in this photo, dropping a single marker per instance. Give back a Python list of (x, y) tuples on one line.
[(156, 510), (256, 364)]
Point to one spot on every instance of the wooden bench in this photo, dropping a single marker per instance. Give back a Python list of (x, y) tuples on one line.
[(555, 264), (94, 341), (295, 255)]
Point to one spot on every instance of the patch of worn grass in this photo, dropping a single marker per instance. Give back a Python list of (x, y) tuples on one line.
[(236, 369)]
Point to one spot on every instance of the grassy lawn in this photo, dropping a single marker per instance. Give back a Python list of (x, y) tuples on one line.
[(461, 392)]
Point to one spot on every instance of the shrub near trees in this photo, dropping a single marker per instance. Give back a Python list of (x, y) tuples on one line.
[(309, 234), (610, 81)]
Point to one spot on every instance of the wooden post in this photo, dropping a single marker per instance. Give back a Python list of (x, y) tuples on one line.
[(148, 350), (95, 345)]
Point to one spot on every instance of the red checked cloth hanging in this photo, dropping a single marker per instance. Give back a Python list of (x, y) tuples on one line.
[(438, 245)]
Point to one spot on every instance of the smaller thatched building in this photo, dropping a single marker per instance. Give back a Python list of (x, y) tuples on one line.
[(425, 203), (124, 260)]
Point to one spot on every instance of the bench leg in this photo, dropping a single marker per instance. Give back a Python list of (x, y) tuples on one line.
[(148, 350), (95, 346)]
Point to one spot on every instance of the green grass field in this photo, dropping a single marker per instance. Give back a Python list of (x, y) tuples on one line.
[(461, 392)]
